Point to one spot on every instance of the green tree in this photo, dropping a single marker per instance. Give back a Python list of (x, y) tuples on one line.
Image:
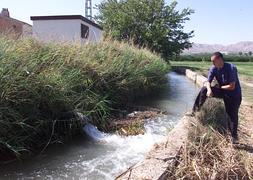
[(250, 53), (240, 53), (147, 23)]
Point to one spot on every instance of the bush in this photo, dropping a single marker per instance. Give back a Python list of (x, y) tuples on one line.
[(40, 82)]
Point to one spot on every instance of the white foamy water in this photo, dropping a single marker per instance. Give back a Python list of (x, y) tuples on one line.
[(128, 150), (104, 156)]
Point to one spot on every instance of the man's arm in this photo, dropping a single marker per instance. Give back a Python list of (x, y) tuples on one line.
[(209, 90), (209, 80), (229, 87), (231, 80)]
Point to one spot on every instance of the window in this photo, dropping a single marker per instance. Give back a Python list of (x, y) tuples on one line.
[(84, 31)]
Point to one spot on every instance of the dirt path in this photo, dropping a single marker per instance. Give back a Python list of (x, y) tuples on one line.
[(246, 127), (247, 84)]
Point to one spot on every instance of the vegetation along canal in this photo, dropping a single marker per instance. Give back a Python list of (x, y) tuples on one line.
[(98, 155)]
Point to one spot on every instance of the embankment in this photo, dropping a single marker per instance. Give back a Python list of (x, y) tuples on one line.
[(195, 77), (42, 84)]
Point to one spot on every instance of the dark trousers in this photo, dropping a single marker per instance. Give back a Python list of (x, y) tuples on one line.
[(232, 105)]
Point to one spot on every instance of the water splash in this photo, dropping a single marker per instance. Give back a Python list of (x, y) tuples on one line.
[(127, 150), (93, 132)]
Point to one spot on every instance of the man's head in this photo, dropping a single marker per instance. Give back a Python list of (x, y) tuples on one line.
[(217, 60)]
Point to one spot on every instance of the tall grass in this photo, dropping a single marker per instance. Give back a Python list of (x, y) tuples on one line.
[(40, 82)]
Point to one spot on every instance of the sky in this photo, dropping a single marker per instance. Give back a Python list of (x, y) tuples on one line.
[(214, 21)]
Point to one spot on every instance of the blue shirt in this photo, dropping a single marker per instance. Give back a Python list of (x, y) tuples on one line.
[(226, 75)]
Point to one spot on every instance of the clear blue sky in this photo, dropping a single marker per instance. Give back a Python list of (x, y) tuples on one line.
[(214, 21)]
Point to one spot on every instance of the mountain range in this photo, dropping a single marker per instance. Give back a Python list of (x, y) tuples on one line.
[(244, 46)]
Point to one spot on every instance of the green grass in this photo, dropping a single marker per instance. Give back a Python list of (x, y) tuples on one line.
[(244, 68), (40, 81), (206, 57)]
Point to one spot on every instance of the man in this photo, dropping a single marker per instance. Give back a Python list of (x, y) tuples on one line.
[(228, 89)]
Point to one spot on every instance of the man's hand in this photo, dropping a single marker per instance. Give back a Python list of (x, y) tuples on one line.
[(229, 87), (209, 90), (209, 93)]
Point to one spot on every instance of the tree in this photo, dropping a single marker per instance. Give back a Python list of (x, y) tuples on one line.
[(250, 53), (147, 23), (240, 53)]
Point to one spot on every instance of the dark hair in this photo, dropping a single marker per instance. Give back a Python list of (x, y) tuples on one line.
[(218, 54)]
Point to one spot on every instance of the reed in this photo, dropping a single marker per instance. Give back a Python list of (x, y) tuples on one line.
[(40, 82)]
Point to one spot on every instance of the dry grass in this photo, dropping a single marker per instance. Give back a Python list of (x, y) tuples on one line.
[(132, 129), (208, 154), (133, 124), (213, 114)]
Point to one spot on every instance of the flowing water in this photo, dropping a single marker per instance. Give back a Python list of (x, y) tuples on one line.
[(98, 155)]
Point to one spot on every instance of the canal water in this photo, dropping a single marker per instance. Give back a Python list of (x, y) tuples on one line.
[(98, 155)]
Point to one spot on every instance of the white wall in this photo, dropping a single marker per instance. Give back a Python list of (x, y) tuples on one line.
[(64, 31), (95, 33), (56, 30)]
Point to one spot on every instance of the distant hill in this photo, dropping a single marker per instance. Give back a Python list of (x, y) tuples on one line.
[(244, 46)]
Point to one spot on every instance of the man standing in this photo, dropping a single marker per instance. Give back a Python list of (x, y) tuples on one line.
[(228, 89)]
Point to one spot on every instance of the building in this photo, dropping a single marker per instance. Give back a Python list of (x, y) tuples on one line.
[(13, 26), (66, 28)]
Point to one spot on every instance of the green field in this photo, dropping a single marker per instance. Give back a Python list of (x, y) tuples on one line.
[(244, 68)]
